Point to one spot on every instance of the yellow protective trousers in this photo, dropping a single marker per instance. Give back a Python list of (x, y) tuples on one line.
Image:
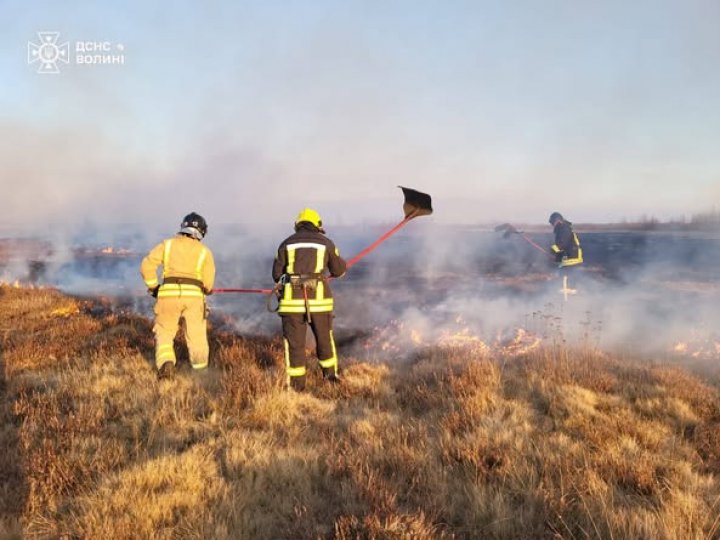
[(168, 311)]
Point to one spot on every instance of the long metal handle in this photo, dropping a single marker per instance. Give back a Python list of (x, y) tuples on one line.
[(379, 241), (527, 238), (350, 263), (249, 291)]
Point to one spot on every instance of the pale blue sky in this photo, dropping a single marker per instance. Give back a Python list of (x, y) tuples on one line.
[(247, 111)]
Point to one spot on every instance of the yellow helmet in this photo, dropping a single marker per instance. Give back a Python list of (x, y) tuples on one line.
[(311, 216)]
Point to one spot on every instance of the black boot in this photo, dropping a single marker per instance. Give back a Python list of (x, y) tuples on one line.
[(166, 371), (297, 383), (330, 376)]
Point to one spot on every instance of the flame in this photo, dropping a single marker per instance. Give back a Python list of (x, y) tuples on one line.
[(398, 338), (460, 338), (110, 250), (522, 343), (65, 311), (17, 284), (700, 345), (20, 284), (83, 251)]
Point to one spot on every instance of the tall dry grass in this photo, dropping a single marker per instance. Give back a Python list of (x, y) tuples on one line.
[(454, 443)]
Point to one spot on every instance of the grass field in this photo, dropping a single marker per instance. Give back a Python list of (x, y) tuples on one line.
[(457, 441)]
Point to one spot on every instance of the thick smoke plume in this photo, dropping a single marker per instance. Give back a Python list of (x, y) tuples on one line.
[(640, 292)]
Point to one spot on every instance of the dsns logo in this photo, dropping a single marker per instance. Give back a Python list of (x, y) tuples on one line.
[(47, 53)]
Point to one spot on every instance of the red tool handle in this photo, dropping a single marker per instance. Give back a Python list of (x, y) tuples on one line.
[(545, 251), (258, 291), (350, 263), (379, 241)]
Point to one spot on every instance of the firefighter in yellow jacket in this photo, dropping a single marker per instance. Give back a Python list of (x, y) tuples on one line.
[(300, 270), (188, 275)]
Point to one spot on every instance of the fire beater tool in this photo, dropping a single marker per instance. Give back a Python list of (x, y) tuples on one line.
[(416, 204), (509, 230)]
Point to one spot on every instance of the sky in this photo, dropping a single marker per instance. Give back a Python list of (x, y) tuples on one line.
[(249, 111)]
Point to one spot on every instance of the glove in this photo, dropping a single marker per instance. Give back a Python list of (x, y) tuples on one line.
[(207, 292), (154, 291)]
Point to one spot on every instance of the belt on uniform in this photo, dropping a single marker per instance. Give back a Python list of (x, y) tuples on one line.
[(309, 281), (183, 281)]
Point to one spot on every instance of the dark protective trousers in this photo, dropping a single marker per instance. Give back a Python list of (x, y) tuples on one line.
[(294, 333)]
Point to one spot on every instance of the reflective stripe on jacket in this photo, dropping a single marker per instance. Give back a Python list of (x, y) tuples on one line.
[(306, 256), (187, 264), (567, 245)]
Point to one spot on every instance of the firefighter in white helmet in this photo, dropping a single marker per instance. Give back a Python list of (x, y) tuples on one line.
[(188, 274), (305, 298)]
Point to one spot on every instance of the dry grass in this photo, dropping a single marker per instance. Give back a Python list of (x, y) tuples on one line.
[(555, 443)]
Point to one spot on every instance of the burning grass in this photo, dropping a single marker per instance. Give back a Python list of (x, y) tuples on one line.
[(513, 438)]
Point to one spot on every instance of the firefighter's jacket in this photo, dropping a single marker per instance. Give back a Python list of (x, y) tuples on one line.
[(301, 267), (566, 248), (188, 268)]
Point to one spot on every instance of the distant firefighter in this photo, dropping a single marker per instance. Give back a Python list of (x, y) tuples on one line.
[(300, 270), (187, 277), (566, 248)]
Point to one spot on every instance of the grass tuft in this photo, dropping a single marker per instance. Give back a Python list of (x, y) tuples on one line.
[(455, 443)]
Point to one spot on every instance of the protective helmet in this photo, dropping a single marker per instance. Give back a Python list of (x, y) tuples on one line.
[(309, 215), (194, 225), (554, 217)]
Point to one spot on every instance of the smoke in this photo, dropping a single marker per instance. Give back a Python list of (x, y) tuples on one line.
[(650, 293), (645, 293), (638, 291)]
